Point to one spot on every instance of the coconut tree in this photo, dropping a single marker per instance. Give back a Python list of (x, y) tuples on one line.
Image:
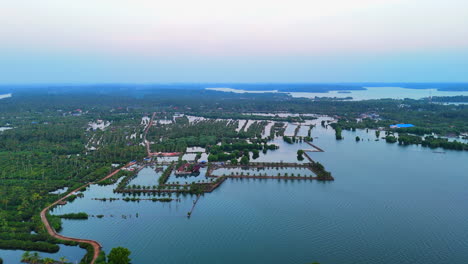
[(48, 261), (26, 256), (119, 255), (34, 258)]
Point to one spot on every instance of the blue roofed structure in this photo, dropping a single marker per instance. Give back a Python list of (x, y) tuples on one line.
[(401, 126)]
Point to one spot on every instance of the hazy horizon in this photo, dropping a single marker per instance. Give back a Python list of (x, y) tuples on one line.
[(357, 83), (233, 42)]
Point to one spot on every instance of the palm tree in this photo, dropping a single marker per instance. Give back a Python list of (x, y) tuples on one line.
[(26, 256), (34, 259), (48, 261), (63, 260)]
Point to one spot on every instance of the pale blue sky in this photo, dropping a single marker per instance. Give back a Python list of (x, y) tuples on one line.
[(88, 41)]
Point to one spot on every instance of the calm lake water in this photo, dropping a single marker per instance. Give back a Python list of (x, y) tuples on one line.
[(388, 204), (3, 96), (370, 93)]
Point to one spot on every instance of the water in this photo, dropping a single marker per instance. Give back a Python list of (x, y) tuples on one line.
[(231, 90), (290, 129), (286, 152), (303, 131), (388, 204), (370, 93), (147, 177), (383, 92), (189, 157), (3, 96), (263, 171), (185, 179)]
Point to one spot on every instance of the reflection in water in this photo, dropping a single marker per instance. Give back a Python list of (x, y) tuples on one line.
[(388, 204)]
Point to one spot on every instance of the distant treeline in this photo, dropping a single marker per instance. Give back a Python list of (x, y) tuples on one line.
[(450, 99), (150, 88), (145, 89), (438, 86)]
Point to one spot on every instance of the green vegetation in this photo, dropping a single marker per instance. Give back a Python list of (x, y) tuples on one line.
[(230, 151), (119, 255), (244, 160), (288, 140), (127, 177), (319, 169), (28, 245), (196, 188), (450, 99), (377, 133), (255, 154), (82, 216), (165, 175), (431, 142), (179, 136), (338, 133), (391, 139), (115, 178), (28, 257), (300, 155), (69, 137), (338, 130), (277, 130), (49, 149), (408, 136)]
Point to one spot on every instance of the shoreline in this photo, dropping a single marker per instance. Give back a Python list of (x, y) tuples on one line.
[(51, 231)]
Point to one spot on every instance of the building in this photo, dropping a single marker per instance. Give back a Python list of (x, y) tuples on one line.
[(401, 126)]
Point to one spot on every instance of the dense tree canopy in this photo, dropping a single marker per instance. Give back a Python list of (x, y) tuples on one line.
[(119, 255)]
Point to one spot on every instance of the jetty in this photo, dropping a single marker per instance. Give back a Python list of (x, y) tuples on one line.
[(317, 149)]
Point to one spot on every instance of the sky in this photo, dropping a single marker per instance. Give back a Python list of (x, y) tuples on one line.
[(155, 41)]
